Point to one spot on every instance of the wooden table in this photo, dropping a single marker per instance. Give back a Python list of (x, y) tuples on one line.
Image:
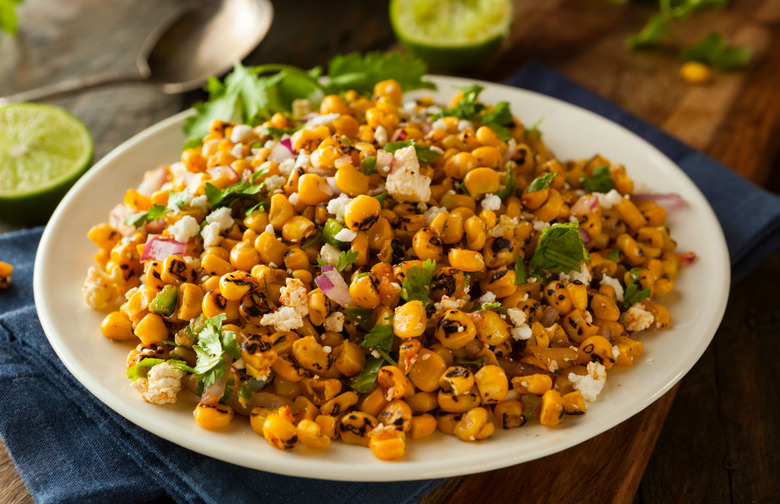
[(719, 442)]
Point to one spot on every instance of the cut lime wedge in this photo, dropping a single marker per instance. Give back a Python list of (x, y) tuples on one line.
[(43, 150), (451, 33)]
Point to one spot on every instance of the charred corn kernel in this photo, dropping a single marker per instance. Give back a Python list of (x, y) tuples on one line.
[(488, 156), (356, 426), (137, 201), (380, 233), (427, 245), (295, 258), (362, 213), (211, 264), (558, 297), (320, 391), (629, 350), (213, 416), (630, 214), (632, 250), (387, 444), (257, 419), (421, 402), (271, 250), (310, 434), (492, 384), (151, 329), (319, 306), (258, 352), (350, 359), (481, 181), (393, 382), (410, 320), (365, 292), (499, 252), (577, 326), (309, 138), (475, 425), (573, 403), (298, 229), (491, 328), (307, 410), (456, 379), (425, 372), (536, 384), (104, 236), (311, 355), (373, 402), (396, 414), (604, 308), (455, 329), (280, 432), (422, 426), (552, 409), (408, 353), (153, 276), (501, 282), (466, 260), (352, 181), (237, 284), (117, 326), (339, 404), (328, 425), (509, 414), (597, 349), (446, 422), (458, 403), (214, 303)]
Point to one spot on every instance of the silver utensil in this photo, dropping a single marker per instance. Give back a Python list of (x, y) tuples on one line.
[(196, 42)]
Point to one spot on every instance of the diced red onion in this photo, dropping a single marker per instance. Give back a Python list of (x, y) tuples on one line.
[(384, 160), (687, 257), (585, 204), (153, 181), (155, 227), (281, 153), (399, 135), (514, 368), (584, 235), (333, 285), (223, 171), (214, 392), (672, 201), (332, 184), (161, 248)]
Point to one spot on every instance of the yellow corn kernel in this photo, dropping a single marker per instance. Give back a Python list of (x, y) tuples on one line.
[(214, 303), (458, 403), (309, 138), (328, 425), (117, 326), (319, 307), (427, 245), (422, 426), (393, 382), (425, 372), (311, 355), (213, 265), (475, 229), (237, 284), (557, 296), (104, 236), (629, 349), (310, 434), (362, 213), (410, 320), (151, 329), (466, 260), (271, 250), (459, 165), (280, 432), (422, 402), (389, 89), (481, 181), (455, 329), (573, 403), (365, 292), (492, 384), (312, 189), (396, 414), (536, 384), (577, 326), (552, 409), (352, 181), (280, 211), (355, 427), (597, 349), (319, 390), (387, 444), (509, 414), (474, 425), (213, 416), (137, 201), (604, 308), (257, 418)]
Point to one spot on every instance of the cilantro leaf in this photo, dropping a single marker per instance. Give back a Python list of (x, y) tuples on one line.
[(345, 259), (380, 337), (225, 197), (656, 29), (424, 153), (468, 107), (613, 255), (542, 182), (499, 119), (177, 200), (151, 215), (361, 316), (252, 385), (362, 72), (165, 300), (713, 50), (509, 183), (368, 165), (520, 276), (530, 402), (141, 369), (366, 381), (418, 279), (560, 250), (601, 180), (210, 364), (495, 305), (633, 294)]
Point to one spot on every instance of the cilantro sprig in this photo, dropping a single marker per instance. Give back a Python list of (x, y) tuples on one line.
[(230, 194), (361, 316), (520, 276), (560, 250), (495, 306), (542, 182), (380, 338), (601, 180), (633, 292), (139, 219), (499, 119), (424, 153), (366, 381), (714, 50), (509, 183), (212, 344), (417, 281)]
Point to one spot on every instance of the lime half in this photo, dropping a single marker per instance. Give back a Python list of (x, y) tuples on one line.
[(451, 33), (43, 150)]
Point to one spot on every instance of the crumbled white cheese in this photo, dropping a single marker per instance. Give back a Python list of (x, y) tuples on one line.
[(511, 150), (286, 167), (237, 150), (293, 294), (201, 202), (321, 120), (583, 275), (240, 133), (539, 225), (432, 212), (615, 352), (222, 217), (293, 199), (591, 384), (284, 318), (552, 366), (448, 303), (439, 124), (426, 356), (327, 349), (375, 354), (162, 384), (210, 234), (518, 317), (615, 284), (345, 235), (210, 147), (405, 182), (487, 297), (379, 189), (334, 322), (522, 332), (239, 364), (636, 318), (99, 291), (303, 161), (505, 223), (330, 254), (184, 229), (491, 202), (609, 199), (422, 207), (275, 183), (380, 135), (464, 125), (338, 206), (300, 107), (410, 107)]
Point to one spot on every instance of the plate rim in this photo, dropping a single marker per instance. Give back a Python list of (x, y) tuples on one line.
[(298, 465)]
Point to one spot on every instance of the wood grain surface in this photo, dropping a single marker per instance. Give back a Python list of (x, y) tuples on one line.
[(718, 443)]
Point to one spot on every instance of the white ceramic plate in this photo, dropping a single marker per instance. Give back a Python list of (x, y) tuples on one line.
[(697, 307)]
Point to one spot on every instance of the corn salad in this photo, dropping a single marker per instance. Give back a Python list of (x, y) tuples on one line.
[(376, 270)]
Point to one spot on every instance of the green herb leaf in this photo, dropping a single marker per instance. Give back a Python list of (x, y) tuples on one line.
[(361, 316), (210, 364), (540, 183), (361, 275), (495, 306), (368, 165), (278, 133), (8, 20), (139, 219), (633, 294), (177, 200), (424, 153), (560, 250), (141, 370), (509, 183), (499, 119), (345, 259), (380, 337), (713, 50), (613, 255), (165, 301), (468, 107), (381, 198), (362, 72), (601, 180), (252, 385), (366, 381), (478, 362), (418, 279), (656, 29), (227, 196), (317, 238), (520, 276), (530, 402)]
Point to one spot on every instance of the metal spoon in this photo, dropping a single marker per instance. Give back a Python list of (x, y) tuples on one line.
[(181, 54)]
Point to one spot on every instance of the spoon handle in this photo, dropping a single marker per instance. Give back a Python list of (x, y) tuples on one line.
[(69, 86)]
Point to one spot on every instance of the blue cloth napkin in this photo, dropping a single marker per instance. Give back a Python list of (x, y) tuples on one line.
[(69, 447)]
